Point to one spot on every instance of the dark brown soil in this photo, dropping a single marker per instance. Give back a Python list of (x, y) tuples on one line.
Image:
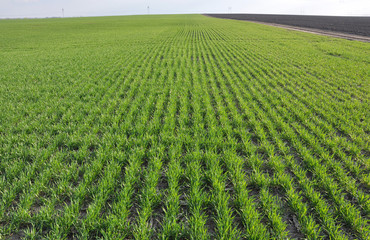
[(349, 25)]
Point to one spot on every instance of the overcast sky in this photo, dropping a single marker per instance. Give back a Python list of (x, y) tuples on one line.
[(73, 8)]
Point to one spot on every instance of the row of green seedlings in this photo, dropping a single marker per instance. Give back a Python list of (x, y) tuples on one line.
[(65, 182), (103, 102), (40, 169), (175, 136), (140, 110), (270, 207), (321, 152), (142, 225), (348, 163), (318, 70), (295, 80), (150, 197), (245, 205), (323, 88), (264, 144)]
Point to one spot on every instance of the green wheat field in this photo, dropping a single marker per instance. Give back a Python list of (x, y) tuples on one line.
[(181, 127)]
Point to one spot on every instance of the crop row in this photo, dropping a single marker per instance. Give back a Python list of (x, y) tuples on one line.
[(186, 127)]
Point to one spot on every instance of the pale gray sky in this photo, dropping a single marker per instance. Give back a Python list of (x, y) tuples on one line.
[(72, 8)]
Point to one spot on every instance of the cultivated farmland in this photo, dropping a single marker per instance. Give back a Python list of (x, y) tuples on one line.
[(181, 127), (349, 25)]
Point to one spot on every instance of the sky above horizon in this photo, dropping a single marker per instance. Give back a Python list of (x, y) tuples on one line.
[(76, 8)]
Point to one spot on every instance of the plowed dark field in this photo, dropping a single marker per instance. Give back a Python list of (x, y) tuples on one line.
[(350, 25)]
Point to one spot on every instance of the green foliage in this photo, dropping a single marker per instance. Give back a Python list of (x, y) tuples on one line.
[(181, 127)]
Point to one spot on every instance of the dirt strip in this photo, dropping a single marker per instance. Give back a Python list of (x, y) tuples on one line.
[(313, 30), (319, 32)]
